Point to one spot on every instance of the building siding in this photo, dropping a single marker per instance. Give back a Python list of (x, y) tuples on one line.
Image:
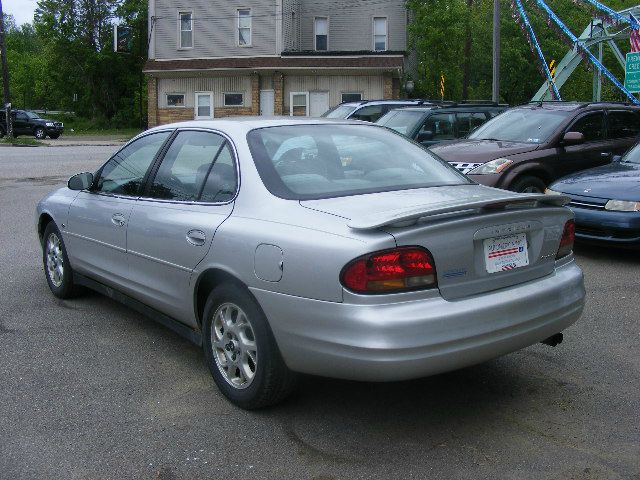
[(351, 27), (218, 85), (214, 29), (371, 86)]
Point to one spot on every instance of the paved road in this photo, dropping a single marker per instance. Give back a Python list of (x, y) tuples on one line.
[(90, 389)]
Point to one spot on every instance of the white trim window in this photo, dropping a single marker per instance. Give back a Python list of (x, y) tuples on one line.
[(321, 34), (380, 34), (176, 100), (233, 99), (244, 27), (351, 97), (203, 106), (185, 30), (299, 104)]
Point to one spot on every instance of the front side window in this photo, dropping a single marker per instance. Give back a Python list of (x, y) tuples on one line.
[(591, 126), (340, 111), (320, 161), (124, 173), (190, 161), (321, 28), (233, 99), (439, 126), (185, 38), (467, 122), (623, 124), (244, 27), (379, 34)]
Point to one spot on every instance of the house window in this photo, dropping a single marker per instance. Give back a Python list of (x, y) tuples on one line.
[(351, 97), (321, 33), (233, 99), (185, 35), (299, 104), (379, 34), (244, 27), (175, 99)]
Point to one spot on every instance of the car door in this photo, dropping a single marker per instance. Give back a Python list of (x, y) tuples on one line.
[(591, 153), (172, 225), (436, 128), (21, 123), (623, 127), (96, 230)]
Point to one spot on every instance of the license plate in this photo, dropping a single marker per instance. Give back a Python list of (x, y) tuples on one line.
[(506, 253)]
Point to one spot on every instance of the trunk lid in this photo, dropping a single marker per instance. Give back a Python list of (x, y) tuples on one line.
[(454, 223)]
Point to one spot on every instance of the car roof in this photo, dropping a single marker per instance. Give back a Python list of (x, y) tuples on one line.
[(572, 106), (361, 103)]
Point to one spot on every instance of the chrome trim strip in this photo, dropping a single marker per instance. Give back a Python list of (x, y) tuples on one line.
[(158, 260), (104, 244)]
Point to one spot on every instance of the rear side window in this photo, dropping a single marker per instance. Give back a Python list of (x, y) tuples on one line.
[(467, 122), (369, 113), (124, 172), (590, 125), (190, 161), (440, 125), (623, 124)]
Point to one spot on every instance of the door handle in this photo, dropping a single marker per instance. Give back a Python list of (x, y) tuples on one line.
[(605, 154), (118, 219), (196, 237)]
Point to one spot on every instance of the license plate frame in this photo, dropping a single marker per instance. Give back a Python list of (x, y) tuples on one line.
[(505, 253)]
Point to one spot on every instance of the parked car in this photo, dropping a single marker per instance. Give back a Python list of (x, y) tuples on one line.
[(528, 147), (257, 239), (29, 123), (606, 200), (370, 110), (431, 124)]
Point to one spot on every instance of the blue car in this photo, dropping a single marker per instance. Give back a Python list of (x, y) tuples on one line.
[(606, 200)]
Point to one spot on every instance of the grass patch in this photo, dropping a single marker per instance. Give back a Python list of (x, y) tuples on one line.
[(20, 141), (74, 126)]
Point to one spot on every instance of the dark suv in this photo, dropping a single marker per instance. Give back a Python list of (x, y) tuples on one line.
[(370, 110), (29, 123), (431, 124), (527, 147)]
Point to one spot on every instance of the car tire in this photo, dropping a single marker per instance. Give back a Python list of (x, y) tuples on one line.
[(241, 352), (39, 133), (528, 184), (57, 269), (54, 135)]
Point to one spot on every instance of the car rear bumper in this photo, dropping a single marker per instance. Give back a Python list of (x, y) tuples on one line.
[(399, 340)]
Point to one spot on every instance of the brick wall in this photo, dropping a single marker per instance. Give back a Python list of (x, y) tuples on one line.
[(220, 112), (255, 94), (171, 115), (152, 101), (388, 86), (278, 92)]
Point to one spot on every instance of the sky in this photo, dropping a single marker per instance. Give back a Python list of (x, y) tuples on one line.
[(22, 10)]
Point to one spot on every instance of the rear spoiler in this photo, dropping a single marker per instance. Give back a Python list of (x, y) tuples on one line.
[(408, 216)]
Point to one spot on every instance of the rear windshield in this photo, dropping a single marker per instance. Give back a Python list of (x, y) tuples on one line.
[(341, 111), (402, 121), (521, 125), (303, 162)]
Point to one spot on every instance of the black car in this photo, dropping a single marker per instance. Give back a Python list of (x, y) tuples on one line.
[(431, 124), (29, 123), (526, 148)]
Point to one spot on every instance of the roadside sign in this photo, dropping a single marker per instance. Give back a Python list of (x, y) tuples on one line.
[(632, 72)]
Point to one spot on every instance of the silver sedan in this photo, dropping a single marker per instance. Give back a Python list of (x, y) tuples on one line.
[(324, 247)]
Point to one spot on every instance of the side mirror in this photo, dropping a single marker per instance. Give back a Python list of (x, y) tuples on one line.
[(80, 181), (572, 138), (616, 158), (425, 136)]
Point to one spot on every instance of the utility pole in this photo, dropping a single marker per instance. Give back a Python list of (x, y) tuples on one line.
[(5, 76), (495, 95)]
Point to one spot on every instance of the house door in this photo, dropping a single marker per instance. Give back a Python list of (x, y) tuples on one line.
[(204, 106), (319, 103), (266, 102)]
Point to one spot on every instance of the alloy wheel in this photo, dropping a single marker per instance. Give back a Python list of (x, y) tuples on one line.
[(234, 345), (55, 260)]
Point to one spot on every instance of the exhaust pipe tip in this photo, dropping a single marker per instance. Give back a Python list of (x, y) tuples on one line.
[(553, 340)]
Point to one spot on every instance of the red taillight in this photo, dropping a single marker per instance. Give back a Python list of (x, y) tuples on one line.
[(568, 237), (399, 269)]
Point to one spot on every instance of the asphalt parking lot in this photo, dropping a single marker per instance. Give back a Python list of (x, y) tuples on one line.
[(90, 389)]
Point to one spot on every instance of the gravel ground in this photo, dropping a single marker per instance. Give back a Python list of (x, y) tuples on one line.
[(90, 389)]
